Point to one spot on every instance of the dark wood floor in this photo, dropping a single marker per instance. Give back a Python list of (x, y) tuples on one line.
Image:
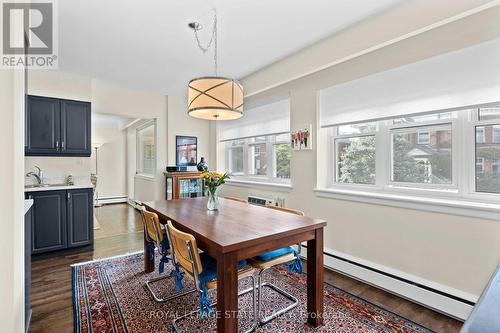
[(121, 232)]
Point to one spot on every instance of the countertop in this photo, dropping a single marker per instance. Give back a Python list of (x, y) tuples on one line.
[(58, 188), (27, 205)]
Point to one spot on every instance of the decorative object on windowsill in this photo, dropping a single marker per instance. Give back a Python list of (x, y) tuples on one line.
[(213, 97), (202, 166), (212, 182), (302, 138), (69, 180)]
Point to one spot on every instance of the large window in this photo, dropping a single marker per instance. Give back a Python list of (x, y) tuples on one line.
[(447, 153), (262, 158), (146, 149), (487, 151)]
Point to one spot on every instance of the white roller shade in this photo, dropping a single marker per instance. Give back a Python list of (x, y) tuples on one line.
[(272, 118), (465, 77)]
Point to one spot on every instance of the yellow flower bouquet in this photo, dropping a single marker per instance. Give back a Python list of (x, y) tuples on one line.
[(212, 182)]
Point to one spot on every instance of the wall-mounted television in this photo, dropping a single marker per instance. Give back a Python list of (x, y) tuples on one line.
[(186, 150)]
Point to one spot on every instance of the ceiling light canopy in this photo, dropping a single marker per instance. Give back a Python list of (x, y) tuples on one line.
[(214, 97)]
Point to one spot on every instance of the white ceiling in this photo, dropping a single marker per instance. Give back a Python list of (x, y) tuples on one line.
[(101, 120), (147, 45)]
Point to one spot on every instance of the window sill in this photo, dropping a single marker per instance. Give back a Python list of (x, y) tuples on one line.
[(264, 185), (457, 206)]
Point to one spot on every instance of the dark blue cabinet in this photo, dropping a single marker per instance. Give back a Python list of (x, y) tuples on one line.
[(61, 220), (80, 217), (48, 221), (57, 127)]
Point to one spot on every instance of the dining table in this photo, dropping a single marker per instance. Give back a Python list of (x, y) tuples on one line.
[(238, 231)]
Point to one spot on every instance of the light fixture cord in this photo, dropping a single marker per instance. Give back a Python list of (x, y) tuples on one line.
[(213, 39)]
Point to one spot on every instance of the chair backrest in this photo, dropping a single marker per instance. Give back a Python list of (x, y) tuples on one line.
[(287, 210), (152, 227), (235, 199), (185, 250)]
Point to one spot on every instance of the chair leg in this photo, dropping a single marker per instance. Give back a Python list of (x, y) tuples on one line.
[(280, 291), (244, 292), (158, 299)]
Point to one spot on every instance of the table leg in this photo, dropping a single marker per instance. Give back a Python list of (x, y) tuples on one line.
[(227, 293), (315, 279), (149, 265)]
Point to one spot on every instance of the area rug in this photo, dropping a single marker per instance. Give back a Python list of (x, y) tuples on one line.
[(109, 296)]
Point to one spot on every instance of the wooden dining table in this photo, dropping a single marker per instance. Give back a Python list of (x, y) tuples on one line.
[(239, 231)]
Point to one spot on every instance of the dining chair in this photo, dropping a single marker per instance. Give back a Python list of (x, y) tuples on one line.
[(235, 199), (202, 270), (274, 258), (157, 237)]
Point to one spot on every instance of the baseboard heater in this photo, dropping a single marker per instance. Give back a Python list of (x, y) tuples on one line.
[(435, 299), (112, 200)]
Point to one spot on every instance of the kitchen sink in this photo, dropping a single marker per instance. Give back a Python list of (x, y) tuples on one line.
[(44, 185)]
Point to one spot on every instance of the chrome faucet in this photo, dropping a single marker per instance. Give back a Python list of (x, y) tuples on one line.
[(38, 175)]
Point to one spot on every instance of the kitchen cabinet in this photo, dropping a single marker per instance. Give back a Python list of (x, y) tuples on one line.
[(57, 127), (61, 219), (80, 217)]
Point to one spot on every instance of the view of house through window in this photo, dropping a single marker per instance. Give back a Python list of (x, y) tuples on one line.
[(264, 158), (146, 149), (421, 151)]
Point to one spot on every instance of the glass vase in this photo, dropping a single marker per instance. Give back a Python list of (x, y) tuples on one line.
[(213, 200)]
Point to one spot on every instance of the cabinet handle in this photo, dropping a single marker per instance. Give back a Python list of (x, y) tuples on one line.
[(69, 195), (57, 145), (62, 145)]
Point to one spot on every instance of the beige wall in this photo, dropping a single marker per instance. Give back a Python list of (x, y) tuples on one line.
[(112, 161), (12, 200), (454, 252)]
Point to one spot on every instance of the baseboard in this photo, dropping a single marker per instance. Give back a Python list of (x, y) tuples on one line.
[(440, 298), (112, 200)]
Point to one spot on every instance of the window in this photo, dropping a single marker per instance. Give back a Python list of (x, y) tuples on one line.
[(282, 153), (496, 134), (235, 157), (487, 152), (146, 149), (480, 134), (479, 166), (257, 146), (420, 154), (416, 162), (262, 158)]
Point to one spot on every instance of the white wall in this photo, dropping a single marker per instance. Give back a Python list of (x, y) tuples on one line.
[(456, 253), (179, 123), (111, 161), (11, 200)]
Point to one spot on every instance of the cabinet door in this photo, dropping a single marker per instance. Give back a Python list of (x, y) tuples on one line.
[(42, 126), (80, 217), (48, 223), (75, 128)]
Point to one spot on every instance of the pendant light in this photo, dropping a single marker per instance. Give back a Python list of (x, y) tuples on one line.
[(214, 97)]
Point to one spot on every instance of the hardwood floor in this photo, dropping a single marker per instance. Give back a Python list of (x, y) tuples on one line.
[(121, 232)]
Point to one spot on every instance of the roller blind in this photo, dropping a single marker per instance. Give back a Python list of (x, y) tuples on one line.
[(272, 118), (469, 76)]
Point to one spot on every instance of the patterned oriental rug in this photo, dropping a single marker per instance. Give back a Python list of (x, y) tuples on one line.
[(109, 296)]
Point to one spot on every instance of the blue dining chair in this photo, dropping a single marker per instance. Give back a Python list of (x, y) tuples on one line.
[(274, 258), (202, 270), (157, 237)]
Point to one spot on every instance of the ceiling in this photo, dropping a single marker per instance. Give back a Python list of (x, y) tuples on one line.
[(147, 45), (101, 120)]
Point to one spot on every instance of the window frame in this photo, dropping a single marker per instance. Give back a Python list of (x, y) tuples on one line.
[(463, 186), (138, 152), (269, 177)]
